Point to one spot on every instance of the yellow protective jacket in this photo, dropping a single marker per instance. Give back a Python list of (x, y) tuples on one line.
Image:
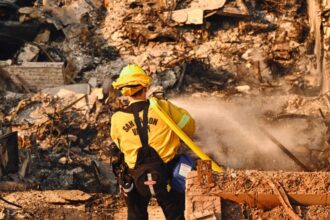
[(161, 137)]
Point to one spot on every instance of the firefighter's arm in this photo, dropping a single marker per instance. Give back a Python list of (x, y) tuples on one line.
[(113, 131), (182, 118), (116, 157)]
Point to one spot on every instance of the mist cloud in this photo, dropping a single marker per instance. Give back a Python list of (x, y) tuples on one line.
[(231, 132)]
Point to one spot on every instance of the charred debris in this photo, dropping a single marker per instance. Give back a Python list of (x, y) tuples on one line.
[(56, 54), (217, 44), (237, 47)]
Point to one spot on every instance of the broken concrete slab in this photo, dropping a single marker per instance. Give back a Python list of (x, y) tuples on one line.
[(203, 207), (195, 11), (80, 88), (4, 63), (75, 92), (37, 75), (207, 5), (188, 16), (28, 53), (59, 197)]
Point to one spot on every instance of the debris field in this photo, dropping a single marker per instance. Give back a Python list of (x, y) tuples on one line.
[(260, 67)]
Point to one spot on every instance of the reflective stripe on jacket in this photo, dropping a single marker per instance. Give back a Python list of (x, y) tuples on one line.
[(161, 137)]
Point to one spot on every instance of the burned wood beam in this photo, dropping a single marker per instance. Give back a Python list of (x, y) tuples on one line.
[(286, 151), (11, 186), (10, 203), (279, 191)]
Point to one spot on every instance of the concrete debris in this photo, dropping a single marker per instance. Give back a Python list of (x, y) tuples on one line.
[(36, 75), (59, 197), (195, 11), (207, 5), (243, 89), (53, 126), (218, 40), (59, 91), (167, 78), (160, 37), (188, 16), (28, 53), (250, 192)]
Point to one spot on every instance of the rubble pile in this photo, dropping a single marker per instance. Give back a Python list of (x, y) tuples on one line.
[(225, 43), (234, 40), (63, 140), (236, 211), (65, 31), (257, 195), (8, 101), (68, 204)]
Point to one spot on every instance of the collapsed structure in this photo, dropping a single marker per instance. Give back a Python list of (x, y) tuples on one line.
[(231, 48)]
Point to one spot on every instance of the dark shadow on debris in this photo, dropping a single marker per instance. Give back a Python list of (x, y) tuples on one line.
[(200, 76), (55, 32)]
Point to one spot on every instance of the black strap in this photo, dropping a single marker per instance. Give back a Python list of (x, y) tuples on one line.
[(142, 131), (138, 105)]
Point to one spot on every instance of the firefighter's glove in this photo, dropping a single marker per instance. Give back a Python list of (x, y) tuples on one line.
[(115, 153), (116, 159)]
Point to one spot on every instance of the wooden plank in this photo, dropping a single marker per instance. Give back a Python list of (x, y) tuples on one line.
[(10, 186), (277, 188)]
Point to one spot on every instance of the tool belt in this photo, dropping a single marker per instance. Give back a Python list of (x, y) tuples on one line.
[(150, 173)]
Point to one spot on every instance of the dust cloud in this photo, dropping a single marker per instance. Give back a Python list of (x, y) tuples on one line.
[(231, 132)]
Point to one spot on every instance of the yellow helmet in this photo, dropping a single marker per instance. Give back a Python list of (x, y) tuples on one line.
[(132, 78)]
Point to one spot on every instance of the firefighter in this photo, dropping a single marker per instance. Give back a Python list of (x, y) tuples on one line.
[(131, 133)]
